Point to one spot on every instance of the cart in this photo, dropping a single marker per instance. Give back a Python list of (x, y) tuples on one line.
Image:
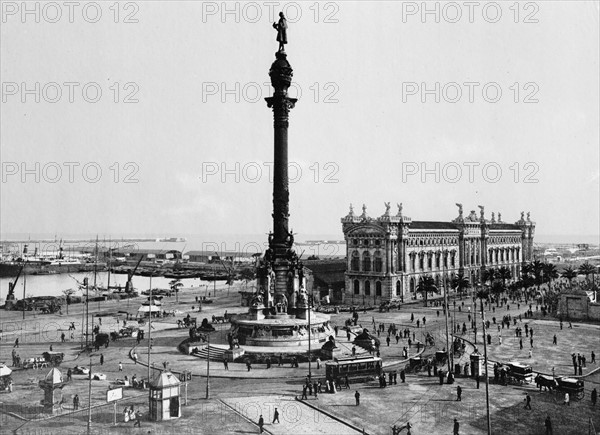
[(572, 386), (518, 373), (54, 358)]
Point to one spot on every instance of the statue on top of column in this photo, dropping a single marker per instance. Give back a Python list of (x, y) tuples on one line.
[(281, 27), (399, 209), (528, 216), (387, 208), (481, 211)]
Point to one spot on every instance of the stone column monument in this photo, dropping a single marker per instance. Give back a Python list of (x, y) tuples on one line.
[(280, 258)]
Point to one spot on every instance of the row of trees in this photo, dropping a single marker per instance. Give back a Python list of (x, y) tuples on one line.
[(494, 281)]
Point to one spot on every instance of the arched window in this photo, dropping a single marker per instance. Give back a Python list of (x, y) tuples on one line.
[(356, 287), (367, 288), (412, 261), (429, 257), (378, 262), (421, 261), (378, 288), (398, 288), (355, 262), (366, 262), (437, 260)]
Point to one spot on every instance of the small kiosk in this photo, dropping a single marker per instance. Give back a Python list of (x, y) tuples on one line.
[(5, 379), (52, 384), (164, 397), (477, 368)]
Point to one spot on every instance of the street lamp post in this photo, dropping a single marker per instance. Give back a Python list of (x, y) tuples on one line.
[(150, 327), (485, 361), (208, 366), (447, 309), (89, 422)]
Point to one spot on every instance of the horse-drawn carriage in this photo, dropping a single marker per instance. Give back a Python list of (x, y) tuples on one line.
[(545, 381), (519, 374), (441, 357), (416, 364), (128, 331), (575, 387)]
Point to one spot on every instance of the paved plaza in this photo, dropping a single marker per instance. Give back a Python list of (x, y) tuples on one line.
[(239, 396)]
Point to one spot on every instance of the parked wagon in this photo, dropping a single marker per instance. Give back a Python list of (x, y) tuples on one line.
[(518, 373), (575, 387)]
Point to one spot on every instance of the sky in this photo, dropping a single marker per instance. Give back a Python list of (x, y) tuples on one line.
[(150, 116)]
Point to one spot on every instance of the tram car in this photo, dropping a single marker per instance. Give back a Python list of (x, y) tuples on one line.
[(518, 373), (572, 386), (357, 367)]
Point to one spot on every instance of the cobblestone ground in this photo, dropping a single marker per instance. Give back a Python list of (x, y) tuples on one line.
[(429, 407)]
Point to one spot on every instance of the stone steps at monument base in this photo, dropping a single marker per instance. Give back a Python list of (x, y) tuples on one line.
[(216, 353)]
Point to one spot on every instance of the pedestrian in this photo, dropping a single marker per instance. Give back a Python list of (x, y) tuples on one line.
[(135, 357), (268, 361), (318, 363), (138, 419), (281, 359), (346, 382), (69, 374), (548, 424), (458, 394), (304, 396), (593, 358), (530, 353), (357, 397), (554, 339), (477, 379), (16, 343), (248, 365), (456, 427), (120, 367), (101, 359), (403, 376), (387, 340), (75, 402), (531, 341), (567, 399), (528, 401), (521, 343), (594, 397), (225, 364), (62, 337), (261, 423), (275, 416)]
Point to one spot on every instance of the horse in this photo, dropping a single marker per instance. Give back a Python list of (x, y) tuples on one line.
[(548, 382)]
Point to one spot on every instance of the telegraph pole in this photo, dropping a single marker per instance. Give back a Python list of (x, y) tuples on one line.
[(485, 361), (208, 366)]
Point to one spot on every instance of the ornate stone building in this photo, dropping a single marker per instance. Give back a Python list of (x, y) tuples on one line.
[(387, 255)]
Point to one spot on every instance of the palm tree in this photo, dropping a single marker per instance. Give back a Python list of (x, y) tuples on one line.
[(503, 274), (527, 275), (459, 283), (587, 269), (175, 285), (487, 275), (247, 275), (570, 274), (550, 272), (426, 285)]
